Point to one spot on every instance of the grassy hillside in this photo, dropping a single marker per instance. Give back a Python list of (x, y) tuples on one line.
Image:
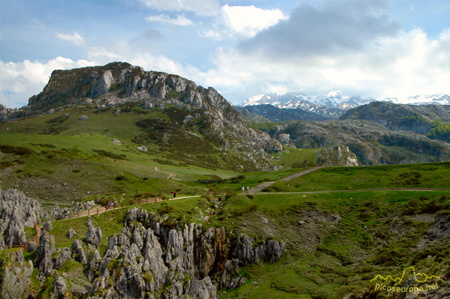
[(344, 240), (337, 242), (413, 176)]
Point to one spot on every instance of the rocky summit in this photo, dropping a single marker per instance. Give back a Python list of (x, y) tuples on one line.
[(117, 84)]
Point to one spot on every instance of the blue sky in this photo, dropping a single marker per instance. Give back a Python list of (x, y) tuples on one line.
[(377, 48)]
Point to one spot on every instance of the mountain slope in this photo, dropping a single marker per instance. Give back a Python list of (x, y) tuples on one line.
[(192, 117), (430, 120), (274, 113), (371, 143)]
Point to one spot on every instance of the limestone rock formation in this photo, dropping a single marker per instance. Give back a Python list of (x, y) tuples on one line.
[(15, 278), (70, 234), (44, 252), (16, 212), (149, 257), (93, 235), (121, 83)]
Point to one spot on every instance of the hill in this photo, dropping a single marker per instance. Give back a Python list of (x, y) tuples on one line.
[(289, 241), (430, 120), (370, 142), (276, 114)]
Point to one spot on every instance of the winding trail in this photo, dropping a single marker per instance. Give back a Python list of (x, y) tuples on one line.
[(267, 184), (100, 209), (97, 210)]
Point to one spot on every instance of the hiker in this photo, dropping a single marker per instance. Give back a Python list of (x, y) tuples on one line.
[(248, 188), (174, 194), (243, 189)]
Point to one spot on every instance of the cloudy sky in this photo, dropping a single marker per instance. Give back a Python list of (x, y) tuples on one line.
[(377, 48)]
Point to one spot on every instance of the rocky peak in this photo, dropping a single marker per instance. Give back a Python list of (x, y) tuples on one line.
[(119, 82)]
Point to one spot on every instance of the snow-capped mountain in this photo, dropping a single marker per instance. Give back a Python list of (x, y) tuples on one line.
[(334, 104), (435, 99)]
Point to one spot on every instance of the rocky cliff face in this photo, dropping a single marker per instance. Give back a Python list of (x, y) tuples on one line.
[(417, 119), (16, 212), (149, 257), (121, 83), (371, 143)]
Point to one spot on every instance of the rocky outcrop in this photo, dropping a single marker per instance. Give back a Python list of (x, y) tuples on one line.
[(338, 155), (59, 288), (70, 234), (14, 276), (171, 262), (372, 143), (16, 212), (44, 252), (417, 119), (121, 83), (62, 256), (78, 252), (93, 235)]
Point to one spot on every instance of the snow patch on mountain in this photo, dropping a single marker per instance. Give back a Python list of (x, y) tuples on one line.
[(334, 103)]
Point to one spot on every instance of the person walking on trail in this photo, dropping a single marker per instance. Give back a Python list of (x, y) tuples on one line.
[(243, 189), (174, 194), (248, 188)]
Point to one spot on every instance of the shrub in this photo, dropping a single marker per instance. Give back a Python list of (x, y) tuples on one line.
[(119, 177), (18, 150), (110, 155)]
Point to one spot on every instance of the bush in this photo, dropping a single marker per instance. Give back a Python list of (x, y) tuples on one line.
[(18, 150), (119, 177), (230, 194), (110, 155)]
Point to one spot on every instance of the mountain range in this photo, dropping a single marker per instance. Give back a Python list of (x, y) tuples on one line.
[(334, 104)]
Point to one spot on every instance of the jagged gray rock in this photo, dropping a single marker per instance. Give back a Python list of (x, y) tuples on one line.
[(47, 226), (70, 234), (16, 212), (120, 83), (230, 278), (15, 279), (79, 252), (32, 246), (59, 288), (44, 252), (93, 235), (180, 260), (63, 254)]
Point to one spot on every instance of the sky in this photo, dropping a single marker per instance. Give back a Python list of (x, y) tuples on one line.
[(371, 48)]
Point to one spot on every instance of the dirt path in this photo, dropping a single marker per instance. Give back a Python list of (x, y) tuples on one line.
[(97, 210), (358, 190), (267, 184), (301, 173)]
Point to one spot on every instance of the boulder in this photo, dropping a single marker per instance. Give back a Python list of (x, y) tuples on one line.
[(44, 252), (79, 252), (63, 254), (93, 235), (59, 288), (70, 234)]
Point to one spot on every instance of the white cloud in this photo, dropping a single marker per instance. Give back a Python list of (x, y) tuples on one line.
[(407, 64), (20, 80), (249, 20), (199, 7), (179, 20), (211, 34), (74, 38)]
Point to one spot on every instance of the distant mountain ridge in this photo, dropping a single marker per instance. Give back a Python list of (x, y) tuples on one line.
[(334, 104), (275, 114)]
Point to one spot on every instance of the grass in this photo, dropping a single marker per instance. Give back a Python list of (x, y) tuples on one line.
[(414, 176), (292, 157), (330, 259), (336, 241)]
